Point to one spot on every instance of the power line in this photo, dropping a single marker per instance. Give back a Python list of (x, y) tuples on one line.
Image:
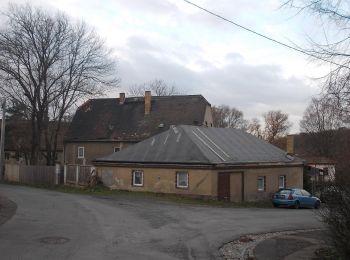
[(262, 35)]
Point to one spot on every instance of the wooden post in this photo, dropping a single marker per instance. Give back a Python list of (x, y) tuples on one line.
[(57, 173), (77, 175), (2, 140), (65, 174)]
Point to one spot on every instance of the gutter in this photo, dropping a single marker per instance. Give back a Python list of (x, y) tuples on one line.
[(198, 166)]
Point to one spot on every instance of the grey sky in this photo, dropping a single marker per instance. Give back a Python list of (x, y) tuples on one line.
[(173, 41)]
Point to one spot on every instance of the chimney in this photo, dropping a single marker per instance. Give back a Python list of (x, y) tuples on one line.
[(147, 102), (121, 98), (290, 144)]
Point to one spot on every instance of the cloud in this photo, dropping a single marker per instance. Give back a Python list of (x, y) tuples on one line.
[(254, 89), (173, 41)]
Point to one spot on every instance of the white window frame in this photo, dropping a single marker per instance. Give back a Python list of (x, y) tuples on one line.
[(133, 178), (283, 178), (116, 147), (83, 149), (178, 179), (263, 183)]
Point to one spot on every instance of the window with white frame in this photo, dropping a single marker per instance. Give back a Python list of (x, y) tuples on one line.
[(81, 152), (182, 180), (261, 183), (282, 182), (137, 178), (116, 149)]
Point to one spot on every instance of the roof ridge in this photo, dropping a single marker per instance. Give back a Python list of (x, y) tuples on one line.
[(189, 137), (205, 143)]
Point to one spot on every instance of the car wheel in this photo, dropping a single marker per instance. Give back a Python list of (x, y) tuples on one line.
[(317, 205), (297, 205), (275, 205)]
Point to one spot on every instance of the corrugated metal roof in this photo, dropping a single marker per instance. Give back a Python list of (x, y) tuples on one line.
[(201, 145)]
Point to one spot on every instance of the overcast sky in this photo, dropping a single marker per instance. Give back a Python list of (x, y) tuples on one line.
[(200, 54)]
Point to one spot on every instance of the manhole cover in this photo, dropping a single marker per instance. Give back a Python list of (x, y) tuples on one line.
[(54, 240)]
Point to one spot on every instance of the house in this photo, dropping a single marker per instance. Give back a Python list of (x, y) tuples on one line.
[(103, 126), (18, 145), (222, 163), (319, 168)]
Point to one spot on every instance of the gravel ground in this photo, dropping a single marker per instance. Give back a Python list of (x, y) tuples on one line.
[(7, 209), (243, 248)]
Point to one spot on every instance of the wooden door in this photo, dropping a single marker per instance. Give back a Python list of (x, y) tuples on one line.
[(224, 186)]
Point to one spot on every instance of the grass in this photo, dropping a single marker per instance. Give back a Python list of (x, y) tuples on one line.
[(104, 191)]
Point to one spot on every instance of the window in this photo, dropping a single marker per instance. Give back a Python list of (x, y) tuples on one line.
[(261, 183), (182, 180), (305, 193), (137, 178), (116, 149), (282, 182), (81, 152), (297, 192)]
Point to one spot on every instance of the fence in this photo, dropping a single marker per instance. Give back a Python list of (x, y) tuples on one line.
[(33, 174), (77, 174), (48, 175)]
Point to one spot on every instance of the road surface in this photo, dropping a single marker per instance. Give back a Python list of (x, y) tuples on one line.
[(53, 225)]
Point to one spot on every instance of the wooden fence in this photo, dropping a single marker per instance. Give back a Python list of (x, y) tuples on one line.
[(77, 174), (48, 175), (33, 174)]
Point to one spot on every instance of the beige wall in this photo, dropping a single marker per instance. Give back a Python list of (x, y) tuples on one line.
[(92, 150), (204, 182), (294, 179), (201, 182), (12, 172)]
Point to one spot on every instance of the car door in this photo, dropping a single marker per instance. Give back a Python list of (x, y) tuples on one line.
[(307, 198), (300, 197)]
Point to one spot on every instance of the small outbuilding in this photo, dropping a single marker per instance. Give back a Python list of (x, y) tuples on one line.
[(218, 163)]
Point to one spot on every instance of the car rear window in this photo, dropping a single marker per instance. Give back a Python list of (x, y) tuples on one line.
[(284, 191)]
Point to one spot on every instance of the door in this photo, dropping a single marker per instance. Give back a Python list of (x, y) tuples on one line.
[(307, 199), (224, 186)]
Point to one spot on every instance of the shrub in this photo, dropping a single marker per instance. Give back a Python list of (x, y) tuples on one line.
[(336, 213)]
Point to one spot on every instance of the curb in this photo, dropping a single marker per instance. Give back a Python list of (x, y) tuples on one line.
[(243, 248)]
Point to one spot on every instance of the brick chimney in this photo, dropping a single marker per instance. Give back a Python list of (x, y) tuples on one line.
[(290, 144), (121, 98), (147, 102)]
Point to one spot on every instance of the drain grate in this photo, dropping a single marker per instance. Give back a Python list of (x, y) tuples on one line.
[(54, 240)]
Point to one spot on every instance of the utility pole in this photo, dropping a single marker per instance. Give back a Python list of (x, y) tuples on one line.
[(2, 141)]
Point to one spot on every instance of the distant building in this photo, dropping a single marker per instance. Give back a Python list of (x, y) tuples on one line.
[(18, 143), (319, 168)]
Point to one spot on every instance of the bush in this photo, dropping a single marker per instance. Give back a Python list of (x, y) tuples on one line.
[(336, 213)]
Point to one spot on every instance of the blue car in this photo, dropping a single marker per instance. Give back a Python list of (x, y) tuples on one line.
[(297, 198)]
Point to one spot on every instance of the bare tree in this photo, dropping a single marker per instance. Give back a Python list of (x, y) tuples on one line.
[(321, 115), (157, 86), (320, 120), (225, 116), (276, 125), (254, 128), (47, 64), (333, 49)]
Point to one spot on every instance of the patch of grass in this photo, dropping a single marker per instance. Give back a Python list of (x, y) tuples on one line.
[(101, 190)]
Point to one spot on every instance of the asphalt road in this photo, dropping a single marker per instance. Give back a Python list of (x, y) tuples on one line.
[(52, 225)]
